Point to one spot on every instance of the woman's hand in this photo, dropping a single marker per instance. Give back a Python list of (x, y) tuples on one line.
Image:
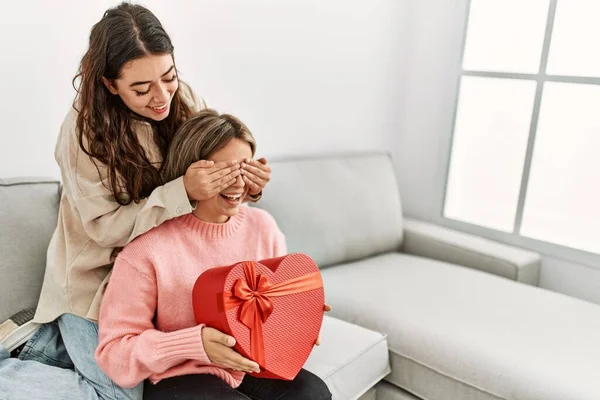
[(326, 308), (218, 348), (205, 179), (256, 174)]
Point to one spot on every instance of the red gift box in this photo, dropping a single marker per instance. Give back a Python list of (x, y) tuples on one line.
[(273, 308)]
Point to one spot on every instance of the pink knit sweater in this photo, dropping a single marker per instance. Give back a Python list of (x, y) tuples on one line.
[(147, 326)]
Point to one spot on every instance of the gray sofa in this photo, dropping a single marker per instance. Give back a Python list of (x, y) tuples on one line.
[(419, 311)]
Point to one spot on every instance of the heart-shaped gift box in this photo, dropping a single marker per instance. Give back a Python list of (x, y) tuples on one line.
[(273, 308)]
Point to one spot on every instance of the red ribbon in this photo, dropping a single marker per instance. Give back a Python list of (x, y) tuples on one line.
[(253, 295)]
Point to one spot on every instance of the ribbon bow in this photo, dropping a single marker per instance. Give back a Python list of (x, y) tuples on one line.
[(254, 294)]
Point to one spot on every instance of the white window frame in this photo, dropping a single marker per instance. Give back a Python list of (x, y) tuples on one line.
[(515, 238)]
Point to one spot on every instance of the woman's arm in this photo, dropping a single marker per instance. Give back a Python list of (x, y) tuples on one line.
[(130, 348), (111, 224)]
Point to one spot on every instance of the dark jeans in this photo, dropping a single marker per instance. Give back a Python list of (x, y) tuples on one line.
[(305, 386)]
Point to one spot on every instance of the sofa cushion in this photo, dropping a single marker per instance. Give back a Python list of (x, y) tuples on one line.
[(459, 333), (28, 212), (310, 199), (350, 359)]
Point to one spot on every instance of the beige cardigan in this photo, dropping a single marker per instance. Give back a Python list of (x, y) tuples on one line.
[(93, 227)]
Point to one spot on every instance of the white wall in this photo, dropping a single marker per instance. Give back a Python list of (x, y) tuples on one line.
[(42, 43), (307, 76), (422, 148)]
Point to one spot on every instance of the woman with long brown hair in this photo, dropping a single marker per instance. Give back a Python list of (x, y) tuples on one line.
[(129, 105)]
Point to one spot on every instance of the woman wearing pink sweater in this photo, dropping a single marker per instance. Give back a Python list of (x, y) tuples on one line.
[(147, 326)]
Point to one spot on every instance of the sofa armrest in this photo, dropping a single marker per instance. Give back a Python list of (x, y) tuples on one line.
[(443, 244)]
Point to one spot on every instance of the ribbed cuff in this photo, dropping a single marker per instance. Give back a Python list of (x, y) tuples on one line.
[(182, 345)]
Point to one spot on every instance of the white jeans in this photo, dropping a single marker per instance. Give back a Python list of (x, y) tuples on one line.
[(58, 363)]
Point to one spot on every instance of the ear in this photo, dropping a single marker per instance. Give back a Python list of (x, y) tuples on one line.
[(110, 85)]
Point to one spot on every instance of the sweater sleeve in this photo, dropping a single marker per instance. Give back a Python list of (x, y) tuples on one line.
[(104, 220), (130, 349)]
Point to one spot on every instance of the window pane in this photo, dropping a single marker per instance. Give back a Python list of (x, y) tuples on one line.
[(574, 46), (563, 198), (505, 35), (490, 141)]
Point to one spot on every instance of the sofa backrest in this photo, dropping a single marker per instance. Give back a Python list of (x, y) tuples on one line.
[(28, 213), (336, 209)]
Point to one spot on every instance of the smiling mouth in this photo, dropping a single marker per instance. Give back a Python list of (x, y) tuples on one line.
[(159, 109), (232, 198)]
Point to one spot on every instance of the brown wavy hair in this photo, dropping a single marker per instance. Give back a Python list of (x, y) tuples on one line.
[(105, 124), (201, 136)]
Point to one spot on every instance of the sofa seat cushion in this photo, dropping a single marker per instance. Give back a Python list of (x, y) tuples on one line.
[(350, 359), (459, 333)]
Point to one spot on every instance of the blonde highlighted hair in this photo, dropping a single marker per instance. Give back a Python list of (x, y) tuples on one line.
[(199, 137)]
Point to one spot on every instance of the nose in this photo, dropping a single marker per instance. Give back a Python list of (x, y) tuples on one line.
[(239, 182), (161, 95)]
